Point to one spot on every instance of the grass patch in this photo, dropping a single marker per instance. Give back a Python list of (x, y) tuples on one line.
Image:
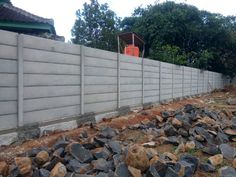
[(193, 152), (173, 149), (204, 159)]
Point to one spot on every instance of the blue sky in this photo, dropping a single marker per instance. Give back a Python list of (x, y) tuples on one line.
[(63, 12)]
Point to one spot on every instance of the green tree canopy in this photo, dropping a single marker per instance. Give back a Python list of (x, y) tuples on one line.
[(182, 34), (96, 26), (5, 1)]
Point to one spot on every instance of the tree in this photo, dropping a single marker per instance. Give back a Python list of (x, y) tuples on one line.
[(5, 1), (96, 26), (182, 34)]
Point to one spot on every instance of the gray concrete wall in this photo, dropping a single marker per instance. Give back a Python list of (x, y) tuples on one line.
[(44, 80), (100, 80)]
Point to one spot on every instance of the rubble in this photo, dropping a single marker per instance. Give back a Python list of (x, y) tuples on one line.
[(58, 171), (24, 165), (227, 172), (4, 168), (42, 157), (137, 157), (190, 130), (227, 151), (231, 101), (216, 159)]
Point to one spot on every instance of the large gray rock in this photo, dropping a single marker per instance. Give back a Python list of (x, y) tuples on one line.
[(189, 161), (187, 169), (227, 172), (227, 151), (108, 132), (101, 153), (211, 150), (101, 165), (77, 167), (122, 170), (205, 134), (222, 138), (206, 167), (80, 153), (157, 169), (170, 130), (114, 146)]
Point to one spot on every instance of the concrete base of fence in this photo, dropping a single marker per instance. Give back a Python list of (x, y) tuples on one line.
[(8, 138), (88, 117), (62, 126), (124, 110), (148, 105), (108, 115), (30, 131)]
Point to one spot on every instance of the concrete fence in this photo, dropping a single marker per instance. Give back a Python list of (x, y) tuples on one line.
[(44, 80)]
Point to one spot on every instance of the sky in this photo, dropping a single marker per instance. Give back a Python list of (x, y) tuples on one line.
[(63, 11)]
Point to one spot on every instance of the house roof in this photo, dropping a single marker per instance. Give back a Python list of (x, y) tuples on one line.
[(14, 18), (9, 12)]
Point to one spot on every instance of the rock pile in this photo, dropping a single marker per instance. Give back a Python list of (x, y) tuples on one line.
[(190, 129)]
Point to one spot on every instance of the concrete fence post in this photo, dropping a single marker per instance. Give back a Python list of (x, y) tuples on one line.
[(172, 93), (159, 81), (191, 80), (222, 80), (20, 78), (212, 85), (118, 80), (197, 80), (208, 81), (82, 57), (142, 81), (203, 85), (182, 81), (213, 81)]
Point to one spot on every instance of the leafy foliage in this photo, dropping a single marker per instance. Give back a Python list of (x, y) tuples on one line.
[(96, 26), (5, 1), (182, 34)]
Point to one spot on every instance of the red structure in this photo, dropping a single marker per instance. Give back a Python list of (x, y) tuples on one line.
[(133, 44), (131, 50)]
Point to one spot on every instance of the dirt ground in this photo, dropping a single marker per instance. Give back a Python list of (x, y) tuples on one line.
[(215, 100)]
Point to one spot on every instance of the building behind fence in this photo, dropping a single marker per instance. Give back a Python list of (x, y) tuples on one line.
[(44, 80)]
